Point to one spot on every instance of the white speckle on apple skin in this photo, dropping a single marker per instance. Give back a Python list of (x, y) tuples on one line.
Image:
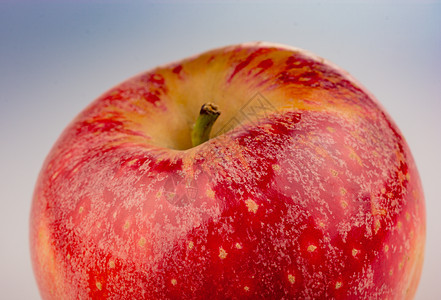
[(251, 205)]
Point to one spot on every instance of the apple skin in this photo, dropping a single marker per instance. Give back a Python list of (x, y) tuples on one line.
[(316, 197)]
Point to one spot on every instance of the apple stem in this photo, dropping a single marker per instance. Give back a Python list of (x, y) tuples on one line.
[(202, 128)]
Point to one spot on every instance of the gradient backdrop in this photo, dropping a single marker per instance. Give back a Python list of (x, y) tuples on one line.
[(57, 57)]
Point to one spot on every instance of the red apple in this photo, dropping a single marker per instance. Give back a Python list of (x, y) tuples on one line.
[(306, 189)]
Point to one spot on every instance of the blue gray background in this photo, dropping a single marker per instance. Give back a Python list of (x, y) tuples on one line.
[(57, 56)]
